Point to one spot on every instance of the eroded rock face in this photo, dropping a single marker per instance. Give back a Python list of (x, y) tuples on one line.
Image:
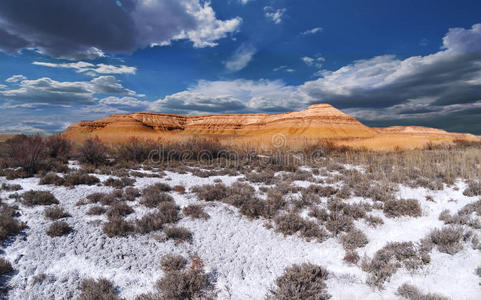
[(320, 121)]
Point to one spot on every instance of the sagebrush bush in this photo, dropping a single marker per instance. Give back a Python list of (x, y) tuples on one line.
[(96, 210), (306, 281), (79, 178), (172, 262), (374, 221), (178, 234), (473, 189), (119, 183), (103, 198), (153, 199), (119, 209), (338, 222), (291, 223), (100, 289), (166, 213), (58, 147), (52, 178), (402, 207), (93, 152), (355, 238), (131, 193), (10, 187), (179, 189), (210, 192), (186, 284), (32, 198), (117, 227), (351, 257), (9, 226), (195, 212), (448, 239), (265, 177), (411, 292), (59, 228), (55, 213), (5, 267), (390, 258)]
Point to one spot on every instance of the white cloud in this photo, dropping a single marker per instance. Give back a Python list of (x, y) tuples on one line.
[(90, 69), (241, 58), (15, 79), (47, 90), (312, 31), (2, 86), (275, 15), (244, 1), (284, 69), (313, 61)]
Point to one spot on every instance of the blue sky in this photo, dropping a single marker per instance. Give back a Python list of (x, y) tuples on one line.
[(384, 62)]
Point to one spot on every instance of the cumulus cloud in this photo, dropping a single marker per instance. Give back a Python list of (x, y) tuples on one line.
[(58, 28), (47, 90), (90, 69), (283, 69), (241, 58), (313, 61), (312, 31), (275, 15), (15, 78)]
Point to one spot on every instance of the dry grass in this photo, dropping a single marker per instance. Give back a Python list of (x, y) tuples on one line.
[(306, 281)]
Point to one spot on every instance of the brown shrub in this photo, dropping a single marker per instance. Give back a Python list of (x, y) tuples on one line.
[(179, 189), (166, 213), (79, 178), (93, 152), (448, 240), (5, 267), (473, 189), (178, 234), (402, 207), (304, 281), (135, 150), (96, 210), (131, 193), (265, 177), (351, 257), (374, 221), (55, 213), (211, 192), (32, 198), (119, 209), (119, 183), (338, 223), (117, 227), (171, 262), (187, 284), (291, 223), (27, 152), (59, 228), (103, 198), (100, 289), (319, 213), (354, 239), (52, 178), (195, 212), (411, 292), (390, 258), (10, 187), (58, 147), (9, 226), (153, 199)]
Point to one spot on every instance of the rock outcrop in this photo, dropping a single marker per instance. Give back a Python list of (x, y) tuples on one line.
[(319, 121)]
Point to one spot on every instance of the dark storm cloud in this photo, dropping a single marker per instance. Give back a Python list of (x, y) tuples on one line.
[(87, 28)]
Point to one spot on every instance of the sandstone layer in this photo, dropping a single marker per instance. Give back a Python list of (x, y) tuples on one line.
[(320, 121)]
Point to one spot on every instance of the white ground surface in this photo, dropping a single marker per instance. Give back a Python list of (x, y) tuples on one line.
[(243, 256)]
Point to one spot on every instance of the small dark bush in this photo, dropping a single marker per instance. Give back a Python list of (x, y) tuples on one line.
[(448, 240), (55, 213), (131, 193), (153, 199), (119, 209), (52, 178), (32, 198), (9, 226), (100, 289), (10, 187), (58, 228), (195, 212), (27, 152), (179, 189), (117, 227), (5, 267), (93, 152), (374, 221), (119, 183), (319, 213), (351, 257), (96, 210), (210, 192), (354, 239), (187, 284), (103, 198), (265, 177), (58, 147), (78, 178), (304, 281), (178, 234), (411, 292), (338, 223), (402, 207), (166, 213), (291, 223), (473, 189), (171, 262)]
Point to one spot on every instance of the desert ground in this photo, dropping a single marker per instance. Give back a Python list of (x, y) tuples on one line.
[(194, 220)]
